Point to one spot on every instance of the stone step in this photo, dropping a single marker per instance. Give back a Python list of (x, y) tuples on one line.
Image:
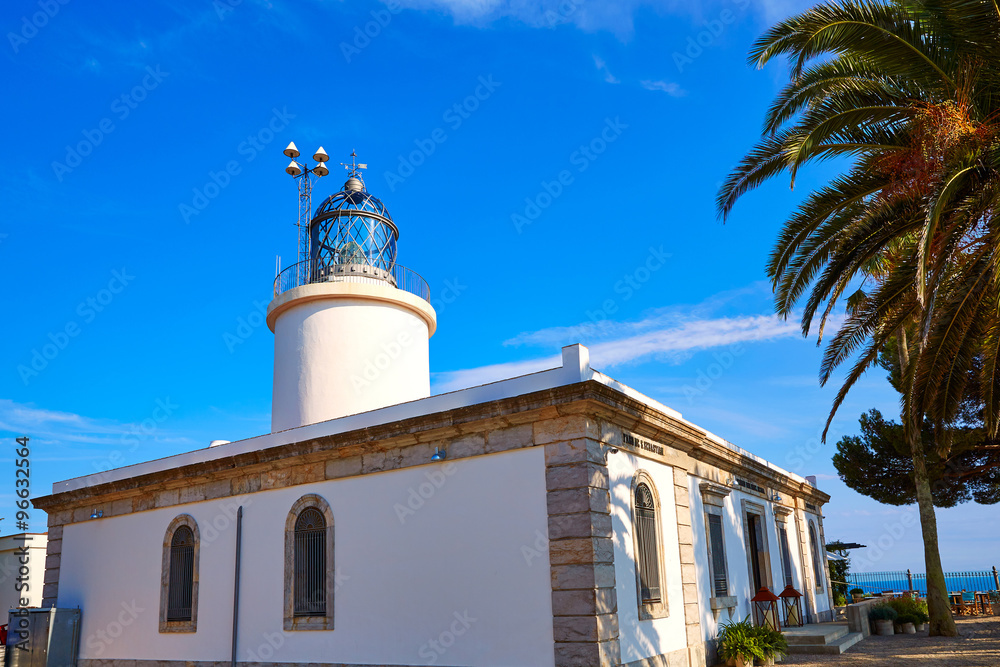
[(836, 647), (815, 634)]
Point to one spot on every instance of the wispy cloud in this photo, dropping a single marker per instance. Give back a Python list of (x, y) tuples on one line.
[(615, 16), (79, 435), (602, 67), (666, 336), (668, 87)]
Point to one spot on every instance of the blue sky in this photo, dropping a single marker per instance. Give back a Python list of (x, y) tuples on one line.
[(552, 168)]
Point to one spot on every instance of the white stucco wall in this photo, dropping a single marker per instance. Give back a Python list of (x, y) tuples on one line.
[(819, 598), (642, 639), (404, 578), (343, 355), (10, 571)]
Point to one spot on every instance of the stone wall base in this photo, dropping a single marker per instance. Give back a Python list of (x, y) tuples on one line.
[(692, 656), (225, 663)]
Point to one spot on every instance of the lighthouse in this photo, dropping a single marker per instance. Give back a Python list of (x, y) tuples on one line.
[(351, 325)]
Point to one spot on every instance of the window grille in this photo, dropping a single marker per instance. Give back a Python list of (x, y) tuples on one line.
[(180, 587), (310, 564), (786, 554), (648, 556), (720, 575), (817, 562)]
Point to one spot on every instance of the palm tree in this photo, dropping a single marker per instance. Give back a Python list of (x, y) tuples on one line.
[(907, 92)]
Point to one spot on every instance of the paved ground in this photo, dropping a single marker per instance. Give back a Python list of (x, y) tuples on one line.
[(979, 646)]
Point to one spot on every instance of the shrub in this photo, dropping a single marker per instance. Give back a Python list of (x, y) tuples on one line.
[(857, 591), (883, 612), (910, 607), (907, 617), (740, 639), (772, 642), (839, 600)]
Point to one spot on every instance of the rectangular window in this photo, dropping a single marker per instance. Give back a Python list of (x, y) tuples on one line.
[(720, 575), (786, 554)]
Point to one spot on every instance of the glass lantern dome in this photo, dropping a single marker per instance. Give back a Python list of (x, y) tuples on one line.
[(353, 233)]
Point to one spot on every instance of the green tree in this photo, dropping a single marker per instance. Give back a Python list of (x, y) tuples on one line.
[(877, 464), (907, 93), (839, 569)]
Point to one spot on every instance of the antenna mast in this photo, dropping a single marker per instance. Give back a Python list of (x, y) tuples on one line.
[(303, 173)]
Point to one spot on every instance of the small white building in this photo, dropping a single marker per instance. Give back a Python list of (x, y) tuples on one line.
[(22, 571), (559, 518)]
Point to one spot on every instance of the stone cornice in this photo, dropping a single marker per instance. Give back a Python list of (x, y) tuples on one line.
[(590, 398), (714, 494)]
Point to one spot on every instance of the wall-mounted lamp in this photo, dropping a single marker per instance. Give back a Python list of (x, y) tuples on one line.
[(775, 497), (97, 514), (608, 452), (439, 454)]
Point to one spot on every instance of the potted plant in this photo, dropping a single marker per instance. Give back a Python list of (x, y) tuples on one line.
[(773, 646), (907, 622), (883, 615), (857, 595), (922, 618), (909, 610), (739, 641)]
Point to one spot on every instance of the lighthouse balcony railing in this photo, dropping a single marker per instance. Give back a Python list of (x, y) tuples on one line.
[(312, 271)]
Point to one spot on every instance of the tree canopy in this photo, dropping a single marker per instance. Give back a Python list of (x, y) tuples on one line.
[(877, 463)]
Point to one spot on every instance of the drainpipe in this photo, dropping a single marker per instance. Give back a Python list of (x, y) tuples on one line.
[(236, 586)]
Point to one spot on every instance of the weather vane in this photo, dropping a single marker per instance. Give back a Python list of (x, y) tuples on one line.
[(354, 168)]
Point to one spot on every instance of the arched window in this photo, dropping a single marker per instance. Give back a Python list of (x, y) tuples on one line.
[(179, 582), (817, 560), (180, 587), (309, 572), (648, 564), (310, 563), (648, 556)]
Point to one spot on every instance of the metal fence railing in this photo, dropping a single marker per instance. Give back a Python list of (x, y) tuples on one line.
[(905, 580), (313, 271)]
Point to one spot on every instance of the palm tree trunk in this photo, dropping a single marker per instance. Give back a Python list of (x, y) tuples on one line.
[(938, 606)]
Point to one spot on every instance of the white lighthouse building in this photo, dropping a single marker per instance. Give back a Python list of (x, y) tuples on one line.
[(351, 325), (557, 519)]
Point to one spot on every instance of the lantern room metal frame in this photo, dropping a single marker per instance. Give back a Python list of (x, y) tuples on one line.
[(350, 237), (352, 231)]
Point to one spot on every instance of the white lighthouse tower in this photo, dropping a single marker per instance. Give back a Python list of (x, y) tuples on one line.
[(351, 326)]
